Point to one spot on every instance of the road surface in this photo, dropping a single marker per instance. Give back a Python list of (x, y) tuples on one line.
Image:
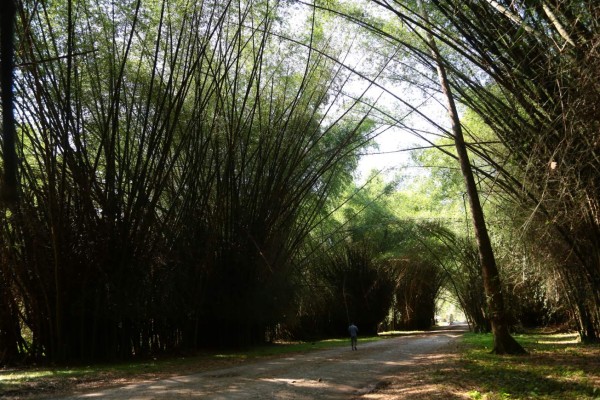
[(329, 374)]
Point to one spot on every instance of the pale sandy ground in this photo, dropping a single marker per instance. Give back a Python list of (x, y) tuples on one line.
[(331, 374)]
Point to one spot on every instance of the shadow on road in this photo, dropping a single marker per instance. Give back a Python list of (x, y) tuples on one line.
[(329, 374)]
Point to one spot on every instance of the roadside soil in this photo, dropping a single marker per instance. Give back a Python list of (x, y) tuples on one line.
[(393, 368)]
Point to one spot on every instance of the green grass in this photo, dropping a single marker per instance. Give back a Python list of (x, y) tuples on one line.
[(557, 367)]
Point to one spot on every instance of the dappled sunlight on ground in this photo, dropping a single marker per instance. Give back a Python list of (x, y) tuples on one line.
[(561, 338), (419, 381), (329, 375), (557, 367), (419, 366)]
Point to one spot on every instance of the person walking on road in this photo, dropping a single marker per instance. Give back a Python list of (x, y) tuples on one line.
[(353, 330)]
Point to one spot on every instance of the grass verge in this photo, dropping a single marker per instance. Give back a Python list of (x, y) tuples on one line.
[(557, 367)]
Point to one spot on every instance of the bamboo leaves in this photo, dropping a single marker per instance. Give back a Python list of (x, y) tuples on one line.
[(173, 163)]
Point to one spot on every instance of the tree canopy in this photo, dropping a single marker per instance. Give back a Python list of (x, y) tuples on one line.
[(186, 172)]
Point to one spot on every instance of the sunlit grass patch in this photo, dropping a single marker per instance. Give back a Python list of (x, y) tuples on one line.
[(9, 376), (557, 367)]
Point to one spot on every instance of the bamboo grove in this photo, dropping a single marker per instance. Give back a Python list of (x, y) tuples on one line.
[(174, 156), (529, 71), (543, 59), (185, 172)]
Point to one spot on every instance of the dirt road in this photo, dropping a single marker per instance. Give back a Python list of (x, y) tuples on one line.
[(331, 374)]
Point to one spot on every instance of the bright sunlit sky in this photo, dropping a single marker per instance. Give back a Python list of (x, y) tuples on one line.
[(389, 158), (393, 155)]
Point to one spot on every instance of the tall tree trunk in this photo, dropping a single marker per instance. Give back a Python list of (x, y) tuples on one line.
[(504, 343), (9, 187)]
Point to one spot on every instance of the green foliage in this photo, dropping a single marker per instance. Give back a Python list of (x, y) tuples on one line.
[(175, 159), (441, 187), (347, 285)]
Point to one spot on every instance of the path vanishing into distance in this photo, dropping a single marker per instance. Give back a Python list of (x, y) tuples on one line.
[(327, 374)]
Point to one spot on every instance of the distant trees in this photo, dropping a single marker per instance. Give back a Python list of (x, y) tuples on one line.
[(348, 285), (531, 282), (389, 268)]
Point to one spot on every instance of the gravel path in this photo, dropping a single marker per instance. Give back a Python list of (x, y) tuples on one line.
[(330, 374)]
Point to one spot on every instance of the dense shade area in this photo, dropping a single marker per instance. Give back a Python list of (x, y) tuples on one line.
[(184, 172)]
